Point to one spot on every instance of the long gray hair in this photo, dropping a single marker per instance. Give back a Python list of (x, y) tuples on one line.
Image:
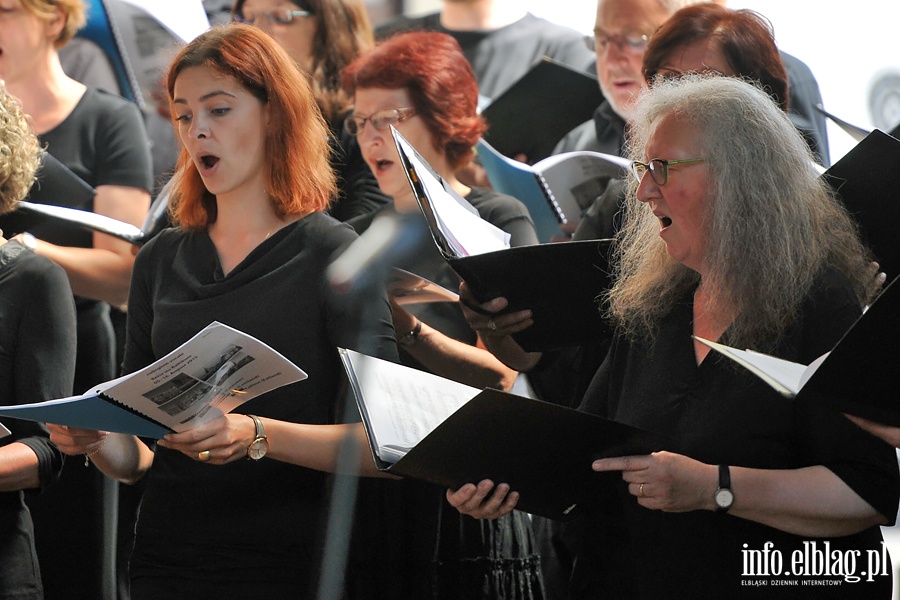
[(772, 224)]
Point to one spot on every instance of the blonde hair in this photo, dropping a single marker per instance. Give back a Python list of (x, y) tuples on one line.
[(20, 153), (772, 223), (75, 15)]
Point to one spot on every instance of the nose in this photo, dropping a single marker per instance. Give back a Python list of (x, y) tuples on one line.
[(647, 188), (367, 134), (199, 129)]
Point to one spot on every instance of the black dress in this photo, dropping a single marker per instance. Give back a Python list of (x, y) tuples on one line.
[(37, 351), (246, 529), (718, 413)]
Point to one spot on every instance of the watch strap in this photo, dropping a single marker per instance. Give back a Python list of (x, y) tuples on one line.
[(724, 477), (260, 430), (724, 490)]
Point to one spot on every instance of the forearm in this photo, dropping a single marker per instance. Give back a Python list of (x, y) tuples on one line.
[(811, 501), (18, 468), (98, 273), (459, 361), (122, 457), (318, 447), (507, 350)]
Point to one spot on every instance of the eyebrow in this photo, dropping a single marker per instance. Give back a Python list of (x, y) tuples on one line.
[(206, 97)]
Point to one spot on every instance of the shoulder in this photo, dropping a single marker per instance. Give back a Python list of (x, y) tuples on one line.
[(322, 231), (429, 22), (41, 279), (107, 104), (487, 200), (164, 244)]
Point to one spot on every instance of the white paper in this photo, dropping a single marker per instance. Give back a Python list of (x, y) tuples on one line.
[(467, 233), (401, 405)]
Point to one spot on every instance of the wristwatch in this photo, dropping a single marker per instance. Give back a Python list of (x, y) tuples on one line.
[(724, 496), (260, 444), (29, 241)]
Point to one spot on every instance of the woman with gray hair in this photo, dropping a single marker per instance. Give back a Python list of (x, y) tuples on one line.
[(729, 235)]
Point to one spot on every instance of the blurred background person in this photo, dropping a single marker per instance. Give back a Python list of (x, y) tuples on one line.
[(101, 138), (37, 360), (500, 39), (323, 37)]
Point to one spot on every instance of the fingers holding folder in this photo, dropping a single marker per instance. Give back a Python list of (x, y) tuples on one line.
[(496, 328)]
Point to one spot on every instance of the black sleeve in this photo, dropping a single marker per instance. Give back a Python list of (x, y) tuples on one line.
[(44, 366), (123, 148), (138, 345)]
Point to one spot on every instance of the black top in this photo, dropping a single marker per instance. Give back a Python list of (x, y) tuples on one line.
[(37, 350), (358, 191), (501, 56), (719, 413), (247, 520)]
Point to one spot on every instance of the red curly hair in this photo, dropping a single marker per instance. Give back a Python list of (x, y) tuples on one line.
[(432, 68)]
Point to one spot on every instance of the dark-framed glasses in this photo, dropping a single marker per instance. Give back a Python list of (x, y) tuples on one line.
[(284, 16), (633, 43), (380, 120), (658, 168)]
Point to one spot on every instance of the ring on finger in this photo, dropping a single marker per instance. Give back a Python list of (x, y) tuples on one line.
[(203, 456), (491, 325), (641, 491)]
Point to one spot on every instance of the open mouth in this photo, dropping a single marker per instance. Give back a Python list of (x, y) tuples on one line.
[(383, 164), (209, 161), (666, 221)]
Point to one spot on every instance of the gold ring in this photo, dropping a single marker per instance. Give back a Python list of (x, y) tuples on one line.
[(491, 325), (203, 456), (641, 491)]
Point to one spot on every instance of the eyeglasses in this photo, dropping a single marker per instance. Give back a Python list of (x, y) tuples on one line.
[(281, 17), (632, 43), (658, 168), (380, 120)]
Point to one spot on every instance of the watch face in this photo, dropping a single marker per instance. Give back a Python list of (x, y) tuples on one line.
[(724, 498), (258, 448)]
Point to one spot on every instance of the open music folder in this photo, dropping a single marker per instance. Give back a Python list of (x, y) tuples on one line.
[(426, 427), (562, 284)]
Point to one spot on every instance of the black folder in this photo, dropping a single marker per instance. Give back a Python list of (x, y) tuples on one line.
[(533, 114), (867, 179), (859, 376), (562, 284), (542, 450)]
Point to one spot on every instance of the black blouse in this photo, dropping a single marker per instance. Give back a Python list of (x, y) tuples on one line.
[(247, 520), (719, 413)]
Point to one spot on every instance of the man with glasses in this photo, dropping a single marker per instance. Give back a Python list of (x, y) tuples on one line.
[(621, 32)]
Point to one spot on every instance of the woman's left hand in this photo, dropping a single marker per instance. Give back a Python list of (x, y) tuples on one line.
[(222, 440), (666, 481)]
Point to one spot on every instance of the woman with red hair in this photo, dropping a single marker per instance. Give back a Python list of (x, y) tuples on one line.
[(422, 84), (250, 250)]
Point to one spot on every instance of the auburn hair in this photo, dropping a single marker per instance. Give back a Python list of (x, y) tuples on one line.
[(432, 68), (299, 176)]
